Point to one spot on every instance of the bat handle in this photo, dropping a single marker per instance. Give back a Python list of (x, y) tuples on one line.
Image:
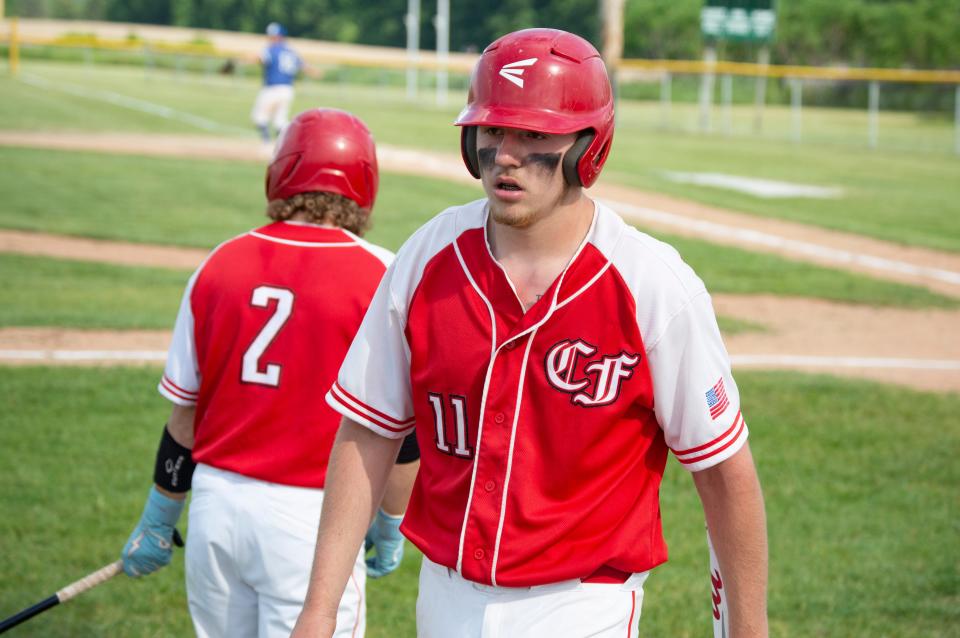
[(90, 581), (28, 613)]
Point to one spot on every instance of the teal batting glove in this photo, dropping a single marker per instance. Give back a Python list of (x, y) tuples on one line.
[(150, 544), (385, 539)]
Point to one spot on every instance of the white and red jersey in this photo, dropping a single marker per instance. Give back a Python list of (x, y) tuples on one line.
[(263, 326), (543, 434)]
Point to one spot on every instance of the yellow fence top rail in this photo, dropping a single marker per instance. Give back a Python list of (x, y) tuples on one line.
[(425, 59), (788, 71), (429, 60)]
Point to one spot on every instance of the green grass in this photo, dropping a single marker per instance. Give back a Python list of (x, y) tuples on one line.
[(860, 486), (908, 198), (50, 292), (78, 446), (392, 118), (173, 201), (732, 270), (26, 107), (905, 196), (910, 131), (202, 202), (158, 200)]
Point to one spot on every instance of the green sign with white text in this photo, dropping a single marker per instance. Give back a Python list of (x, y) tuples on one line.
[(751, 20)]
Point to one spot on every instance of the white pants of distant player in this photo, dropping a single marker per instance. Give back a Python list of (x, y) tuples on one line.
[(449, 606), (273, 106), (250, 547)]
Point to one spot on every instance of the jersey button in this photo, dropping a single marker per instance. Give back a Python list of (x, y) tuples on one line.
[(478, 554), (489, 486), (511, 345), (499, 418)]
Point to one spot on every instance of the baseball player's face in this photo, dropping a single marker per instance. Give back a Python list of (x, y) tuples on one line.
[(520, 172)]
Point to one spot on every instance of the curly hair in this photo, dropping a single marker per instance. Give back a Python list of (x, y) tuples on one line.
[(322, 208)]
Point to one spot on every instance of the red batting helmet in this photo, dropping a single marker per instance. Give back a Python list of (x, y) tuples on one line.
[(548, 81), (325, 150)]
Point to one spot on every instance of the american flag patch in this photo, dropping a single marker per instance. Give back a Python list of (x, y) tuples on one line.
[(717, 400)]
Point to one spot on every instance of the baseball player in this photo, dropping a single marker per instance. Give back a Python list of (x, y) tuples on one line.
[(280, 64), (265, 321), (549, 357)]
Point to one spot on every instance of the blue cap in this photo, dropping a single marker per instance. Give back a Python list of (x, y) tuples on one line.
[(275, 29)]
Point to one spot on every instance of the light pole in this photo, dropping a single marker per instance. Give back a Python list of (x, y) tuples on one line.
[(412, 22), (442, 23)]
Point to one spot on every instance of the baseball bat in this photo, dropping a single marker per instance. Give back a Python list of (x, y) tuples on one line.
[(72, 590), (718, 595)]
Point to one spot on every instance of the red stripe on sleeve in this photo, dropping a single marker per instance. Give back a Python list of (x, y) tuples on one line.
[(174, 386), (169, 387), (713, 442), (719, 449), (368, 412)]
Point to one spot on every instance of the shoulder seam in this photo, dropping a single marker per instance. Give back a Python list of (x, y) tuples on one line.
[(214, 251), (639, 236), (372, 248), (669, 323)]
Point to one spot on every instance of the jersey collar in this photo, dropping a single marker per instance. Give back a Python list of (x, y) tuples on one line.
[(303, 233), (490, 280)]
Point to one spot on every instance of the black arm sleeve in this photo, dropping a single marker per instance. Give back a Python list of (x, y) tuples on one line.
[(174, 469)]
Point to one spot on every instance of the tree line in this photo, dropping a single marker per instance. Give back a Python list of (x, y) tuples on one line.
[(877, 33)]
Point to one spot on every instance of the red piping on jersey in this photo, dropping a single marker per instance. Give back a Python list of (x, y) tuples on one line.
[(736, 419), (723, 447), (386, 419), (513, 440), (174, 386), (486, 382), (169, 387)]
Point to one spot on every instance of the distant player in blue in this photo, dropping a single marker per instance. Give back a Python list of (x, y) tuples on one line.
[(281, 64)]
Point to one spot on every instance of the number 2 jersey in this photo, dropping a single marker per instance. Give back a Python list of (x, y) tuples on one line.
[(263, 326), (543, 434)]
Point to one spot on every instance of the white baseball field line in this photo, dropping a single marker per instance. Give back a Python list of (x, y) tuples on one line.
[(132, 103), (88, 356), (747, 236)]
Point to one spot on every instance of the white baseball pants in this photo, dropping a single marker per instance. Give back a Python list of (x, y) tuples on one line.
[(249, 550), (272, 106), (449, 605)]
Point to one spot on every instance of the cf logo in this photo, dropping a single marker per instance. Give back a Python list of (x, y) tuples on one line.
[(608, 372)]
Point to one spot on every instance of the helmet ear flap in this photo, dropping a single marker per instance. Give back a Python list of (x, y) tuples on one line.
[(468, 149), (571, 159)]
